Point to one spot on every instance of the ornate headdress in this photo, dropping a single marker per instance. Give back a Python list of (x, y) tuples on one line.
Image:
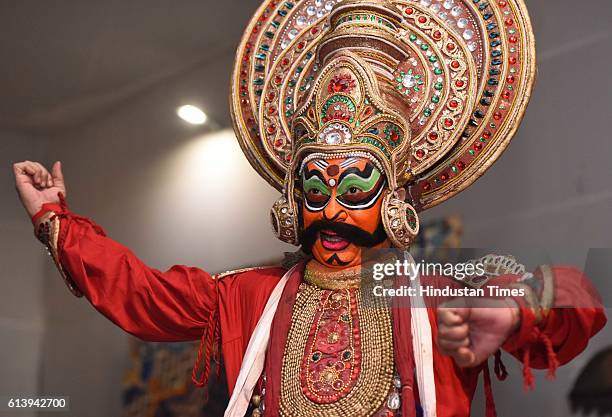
[(431, 91)]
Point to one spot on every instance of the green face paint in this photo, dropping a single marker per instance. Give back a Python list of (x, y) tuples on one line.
[(355, 180), (315, 183)]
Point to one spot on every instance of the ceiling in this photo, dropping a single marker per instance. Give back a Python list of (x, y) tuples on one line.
[(64, 61)]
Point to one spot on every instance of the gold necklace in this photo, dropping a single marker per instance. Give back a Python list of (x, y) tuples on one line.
[(333, 280), (374, 355)]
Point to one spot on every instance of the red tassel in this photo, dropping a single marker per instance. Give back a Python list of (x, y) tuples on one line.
[(528, 380), (212, 335), (551, 359), (551, 356), (204, 353)]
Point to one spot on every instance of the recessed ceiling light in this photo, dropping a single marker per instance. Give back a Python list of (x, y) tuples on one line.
[(192, 114)]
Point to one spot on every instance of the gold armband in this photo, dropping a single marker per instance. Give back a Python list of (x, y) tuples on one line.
[(47, 229)]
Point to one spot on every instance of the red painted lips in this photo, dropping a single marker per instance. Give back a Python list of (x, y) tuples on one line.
[(332, 241)]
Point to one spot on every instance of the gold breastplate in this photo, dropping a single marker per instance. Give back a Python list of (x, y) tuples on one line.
[(338, 359)]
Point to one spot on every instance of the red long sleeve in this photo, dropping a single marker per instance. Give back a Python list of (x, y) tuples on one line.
[(575, 317), (175, 305)]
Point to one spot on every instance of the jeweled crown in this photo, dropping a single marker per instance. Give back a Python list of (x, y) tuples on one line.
[(345, 111)]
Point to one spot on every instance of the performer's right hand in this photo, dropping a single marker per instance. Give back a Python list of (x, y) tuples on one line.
[(36, 186)]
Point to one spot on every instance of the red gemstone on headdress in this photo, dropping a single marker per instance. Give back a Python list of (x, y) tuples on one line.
[(502, 3), (455, 64), (437, 35), (285, 62), (249, 45), (486, 134), (409, 11), (444, 177), (272, 110), (426, 186), (255, 29), (243, 73), (272, 129), (394, 136), (460, 165), (420, 153), (510, 79), (301, 45), (343, 83), (314, 30), (506, 95), (422, 19), (433, 135), (512, 60), (478, 146), (448, 122), (450, 46), (513, 39), (278, 80), (453, 104), (244, 101), (459, 83), (497, 115), (509, 21)]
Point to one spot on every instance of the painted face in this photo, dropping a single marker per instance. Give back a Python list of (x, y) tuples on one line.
[(341, 209)]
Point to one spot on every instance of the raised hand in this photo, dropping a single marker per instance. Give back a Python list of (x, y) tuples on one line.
[(36, 186), (472, 329)]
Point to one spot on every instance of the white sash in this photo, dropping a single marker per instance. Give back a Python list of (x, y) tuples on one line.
[(255, 356), (422, 346)]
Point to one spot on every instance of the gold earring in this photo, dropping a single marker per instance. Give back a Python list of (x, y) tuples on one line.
[(400, 220), (285, 221)]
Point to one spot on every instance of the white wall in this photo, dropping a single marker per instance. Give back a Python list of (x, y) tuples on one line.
[(21, 279)]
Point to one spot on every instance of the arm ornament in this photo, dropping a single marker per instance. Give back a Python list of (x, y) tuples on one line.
[(534, 306), (539, 292), (47, 230)]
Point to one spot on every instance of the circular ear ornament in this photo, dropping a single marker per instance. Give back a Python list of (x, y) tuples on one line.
[(401, 221), (285, 220)]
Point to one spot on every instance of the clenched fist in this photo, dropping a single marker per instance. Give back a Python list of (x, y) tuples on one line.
[(36, 186), (472, 329)]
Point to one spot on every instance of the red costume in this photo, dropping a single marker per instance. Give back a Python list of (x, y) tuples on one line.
[(362, 113), (186, 303)]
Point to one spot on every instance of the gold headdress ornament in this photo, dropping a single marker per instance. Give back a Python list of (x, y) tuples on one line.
[(431, 90)]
